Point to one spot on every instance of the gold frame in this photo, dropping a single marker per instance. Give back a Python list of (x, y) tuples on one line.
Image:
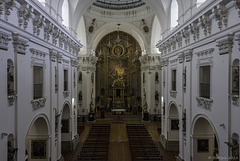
[(118, 54)]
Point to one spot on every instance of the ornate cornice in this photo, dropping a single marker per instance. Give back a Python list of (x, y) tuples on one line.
[(38, 22), (38, 103), (38, 54), (225, 45), (4, 40), (204, 103), (205, 52), (20, 45), (9, 7)]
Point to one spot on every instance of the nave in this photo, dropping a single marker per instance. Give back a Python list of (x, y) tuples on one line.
[(119, 147)]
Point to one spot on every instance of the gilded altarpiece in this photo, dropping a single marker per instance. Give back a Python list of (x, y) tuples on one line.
[(118, 76)]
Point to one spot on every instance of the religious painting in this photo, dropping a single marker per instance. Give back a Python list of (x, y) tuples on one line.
[(202, 145), (38, 150), (65, 126), (174, 124)]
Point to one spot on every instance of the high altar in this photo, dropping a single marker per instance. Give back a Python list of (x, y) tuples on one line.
[(118, 73)]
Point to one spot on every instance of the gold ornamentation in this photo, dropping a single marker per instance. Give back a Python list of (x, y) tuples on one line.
[(118, 50)]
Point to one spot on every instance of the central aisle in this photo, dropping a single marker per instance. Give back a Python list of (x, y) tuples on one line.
[(118, 144)]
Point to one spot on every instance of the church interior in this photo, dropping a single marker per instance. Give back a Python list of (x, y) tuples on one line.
[(119, 80)]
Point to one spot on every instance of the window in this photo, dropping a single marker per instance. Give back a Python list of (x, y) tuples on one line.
[(10, 78), (65, 80), (174, 83), (200, 2), (65, 13), (174, 13), (37, 82), (43, 2), (204, 81), (235, 77)]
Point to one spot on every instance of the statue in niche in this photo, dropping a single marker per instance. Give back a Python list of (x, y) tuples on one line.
[(10, 80), (236, 80), (80, 77), (184, 121), (156, 96), (156, 77), (184, 77), (234, 148)]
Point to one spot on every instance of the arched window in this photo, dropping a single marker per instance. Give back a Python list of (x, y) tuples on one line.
[(235, 77), (65, 13), (174, 13), (43, 2), (200, 2), (10, 78)]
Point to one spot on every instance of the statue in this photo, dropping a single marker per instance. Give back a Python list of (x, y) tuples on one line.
[(234, 148)]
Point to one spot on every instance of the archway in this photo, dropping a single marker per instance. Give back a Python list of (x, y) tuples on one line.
[(66, 129), (205, 144), (173, 128), (118, 73), (37, 147)]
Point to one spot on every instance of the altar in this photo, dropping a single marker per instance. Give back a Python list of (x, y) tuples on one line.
[(118, 111)]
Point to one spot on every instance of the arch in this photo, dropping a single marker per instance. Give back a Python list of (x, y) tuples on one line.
[(173, 125), (125, 27), (37, 139), (66, 128), (83, 5), (205, 141)]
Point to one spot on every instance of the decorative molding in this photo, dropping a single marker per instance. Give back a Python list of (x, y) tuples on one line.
[(173, 93), (74, 62), (225, 45), (174, 61), (235, 99), (65, 94), (65, 61), (220, 14), (194, 29), (20, 45), (59, 58), (24, 14), (48, 29), (11, 99), (4, 40), (204, 103), (186, 35), (38, 103), (205, 52), (237, 5), (8, 7), (180, 58), (188, 55), (205, 23), (38, 54), (53, 55), (238, 40), (38, 24)]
